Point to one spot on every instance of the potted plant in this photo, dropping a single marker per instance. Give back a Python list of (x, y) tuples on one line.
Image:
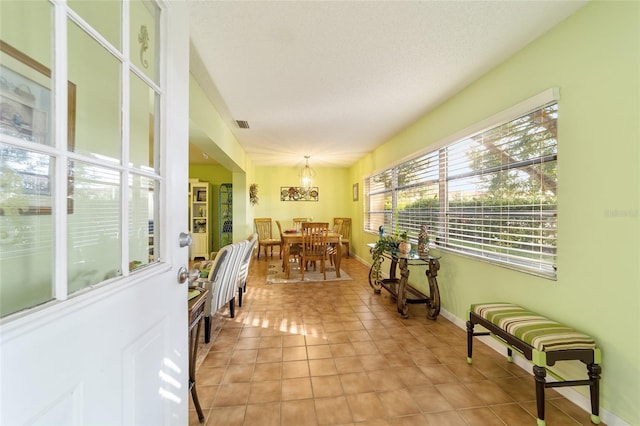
[(384, 243), (389, 244), (404, 247)]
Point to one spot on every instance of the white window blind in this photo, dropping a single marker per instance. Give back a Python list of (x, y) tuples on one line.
[(490, 194)]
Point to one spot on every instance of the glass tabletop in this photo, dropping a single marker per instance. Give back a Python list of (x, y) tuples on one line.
[(413, 254)]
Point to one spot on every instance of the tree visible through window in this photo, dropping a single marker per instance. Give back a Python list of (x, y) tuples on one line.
[(491, 194)]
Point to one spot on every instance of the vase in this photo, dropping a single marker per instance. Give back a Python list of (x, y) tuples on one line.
[(404, 247)]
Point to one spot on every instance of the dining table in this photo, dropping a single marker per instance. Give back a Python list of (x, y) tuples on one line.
[(290, 237)]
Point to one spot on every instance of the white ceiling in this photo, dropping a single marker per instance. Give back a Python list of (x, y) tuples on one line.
[(334, 80)]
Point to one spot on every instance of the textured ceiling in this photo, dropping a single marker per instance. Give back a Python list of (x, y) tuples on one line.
[(334, 80)]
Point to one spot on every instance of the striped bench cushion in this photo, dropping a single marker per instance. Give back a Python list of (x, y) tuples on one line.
[(533, 329)]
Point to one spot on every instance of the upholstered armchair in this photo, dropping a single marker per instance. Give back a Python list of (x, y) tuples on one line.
[(243, 272), (222, 282)]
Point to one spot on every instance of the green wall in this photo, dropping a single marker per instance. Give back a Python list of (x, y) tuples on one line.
[(594, 58), (334, 194)]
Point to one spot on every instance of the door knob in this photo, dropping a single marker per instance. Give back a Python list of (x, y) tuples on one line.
[(185, 275), (184, 239)]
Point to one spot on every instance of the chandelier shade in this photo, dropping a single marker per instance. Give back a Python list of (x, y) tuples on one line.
[(306, 175)]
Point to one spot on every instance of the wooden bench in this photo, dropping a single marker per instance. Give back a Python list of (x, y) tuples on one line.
[(541, 341)]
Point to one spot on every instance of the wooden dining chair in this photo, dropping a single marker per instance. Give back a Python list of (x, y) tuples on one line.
[(345, 230), (294, 249), (314, 246), (332, 250), (297, 222), (265, 235)]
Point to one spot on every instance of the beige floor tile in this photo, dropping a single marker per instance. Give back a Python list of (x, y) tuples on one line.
[(210, 376), (384, 380), (294, 369), (294, 353), (299, 413), (513, 414), (267, 371), (243, 356), (489, 392), (398, 403), (482, 416), (429, 399), (269, 355), (248, 343), (349, 364), (293, 340), (459, 396), (342, 349), (326, 386), (356, 383), (319, 352), (365, 406), (438, 374), (446, 418), (299, 388), (414, 420), (232, 394), (261, 392), (332, 411), (412, 376), (227, 416), (322, 367), (238, 373), (263, 414)]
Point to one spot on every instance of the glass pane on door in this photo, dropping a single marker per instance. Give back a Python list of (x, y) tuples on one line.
[(104, 16), (93, 230), (26, 228), (96, 76), (143, 215), (25, 74), (142, 127), (144, 40), (37, 16)]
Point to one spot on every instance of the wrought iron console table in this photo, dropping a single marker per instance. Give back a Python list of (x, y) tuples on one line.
[(400, 288)]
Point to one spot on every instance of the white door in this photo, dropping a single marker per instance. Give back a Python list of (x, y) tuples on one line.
[(94, 321)]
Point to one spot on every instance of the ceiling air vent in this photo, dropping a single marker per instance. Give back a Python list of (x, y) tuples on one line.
[(243, 124)]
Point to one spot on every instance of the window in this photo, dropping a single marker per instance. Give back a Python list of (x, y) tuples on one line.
[(490, 193)]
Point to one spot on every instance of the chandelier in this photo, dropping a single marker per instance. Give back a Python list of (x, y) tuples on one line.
[(306, 176)]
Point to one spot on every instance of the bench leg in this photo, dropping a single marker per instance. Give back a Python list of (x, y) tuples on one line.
[(240, 296), (594, 389), (540, 373), (469, 342), (232, 307)]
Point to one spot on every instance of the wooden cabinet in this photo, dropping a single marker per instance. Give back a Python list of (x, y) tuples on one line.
[(199, 225)]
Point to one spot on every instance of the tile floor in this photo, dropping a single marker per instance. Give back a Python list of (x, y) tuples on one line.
[(338, 354)]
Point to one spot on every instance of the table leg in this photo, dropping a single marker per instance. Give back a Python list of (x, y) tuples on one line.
[(193, 352), (285, 259), (338, 258), (401, 299), (433, 304)]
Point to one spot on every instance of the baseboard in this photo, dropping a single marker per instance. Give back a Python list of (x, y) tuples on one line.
[(574, 396)]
